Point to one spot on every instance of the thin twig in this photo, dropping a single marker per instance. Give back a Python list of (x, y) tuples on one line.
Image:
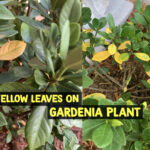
[(140, 97), (101, 90)]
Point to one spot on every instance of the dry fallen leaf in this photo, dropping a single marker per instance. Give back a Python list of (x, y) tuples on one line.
[(12, 50)]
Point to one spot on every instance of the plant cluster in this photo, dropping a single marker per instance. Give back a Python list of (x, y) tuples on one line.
[(127, 45), (39, 51)]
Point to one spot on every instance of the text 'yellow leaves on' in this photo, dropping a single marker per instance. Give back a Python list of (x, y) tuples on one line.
[(112, 49), (12, 50), (117, 58), (123, 45), (142, 56), (85, 45), (100, 56)]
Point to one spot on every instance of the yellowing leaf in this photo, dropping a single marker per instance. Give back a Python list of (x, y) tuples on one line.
[(12, 50), (125, 89), (148, 73), (108, 30), (148, 81), (104, 40), (116, 122), (145, 105), (95, 95), (85, 45), (129, 102), (142, 56), (123, 45), (87, 30), (117, 58), (112, 49), (100, 56)]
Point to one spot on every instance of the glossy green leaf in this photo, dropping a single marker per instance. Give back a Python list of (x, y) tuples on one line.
[(75, 30), (39, 50), (138, 145), (146, 135), (38, 128), (65, 38), (102, 136), (140, 19), (86, 15), (89, 126), (9, 137), (71, 11), (40, 78), (119, 136), (5, 14), (113, 146)]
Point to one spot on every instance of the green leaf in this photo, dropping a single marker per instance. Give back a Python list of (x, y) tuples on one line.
[(146, 84), (86, 81), (89, 126), (65, 38), (74, 33), (9, 138), (147, 12), (71, 11), (110, 20), (54, 32), (113, 146), (138, 145), (32, 22), (127, 125), (74, 59), (146, 135), (5, 14), (138, 5), (38, 7), (38, 128), (50, 65), (119, 136), (16, 87), (39, 50), (3, 121), (75, 78), (102, 136), (86, 15), (46, 4), (27, 32), (40, 78), (67, 87), (140, 19), (124, 56)]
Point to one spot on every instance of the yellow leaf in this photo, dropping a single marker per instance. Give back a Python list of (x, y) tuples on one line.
[(125, 89), (85, 45), (87, 30), (123, 45), (120, 67), (145, 105), (108, 30), (95, 95), (142, 56), (129, 102), (131, 23), (116, 122), (117, 58), (148, 73), (112, 49), (100, 56), (12, 50), (148, 81), (104, 40)]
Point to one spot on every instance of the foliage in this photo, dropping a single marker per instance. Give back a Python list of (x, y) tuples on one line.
[(118, 134), (38, 42)]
